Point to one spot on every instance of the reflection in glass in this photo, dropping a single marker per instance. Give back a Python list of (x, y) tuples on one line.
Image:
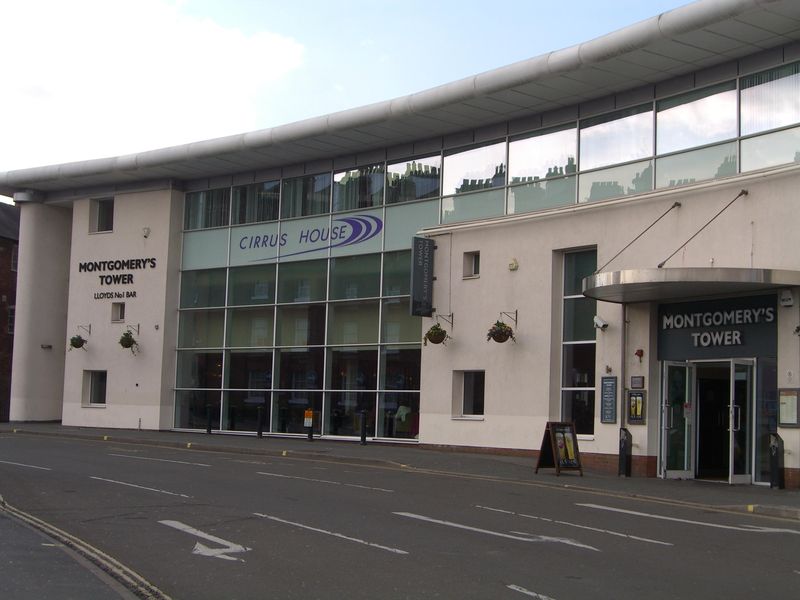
[(698, 165), (199, 369), (579, 408), (200, 328), (301, 325), (358, 188), (474, 392), (355, 276), (251, 285), (473, 206), (615, 182), (353, 368), (396, 273), (476, 169), (400, 368), (770, 99), (344, 413), (766, 414), (203, 288), (548, 154), (300, 368), (414, 180), (240, 410), (256, 203), (398, 415), (541, 194), (302, 281), (771, 150), (617, 138), (579, 319), (353, 323), (206, 209), (308, 195), (250, 327), (397, 324), (578, 265), (578, 365), (288, 410), (249, 370), (697, 118), (192, 408)]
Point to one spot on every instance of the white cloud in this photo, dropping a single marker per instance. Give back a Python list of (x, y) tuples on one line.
[(91, 78)]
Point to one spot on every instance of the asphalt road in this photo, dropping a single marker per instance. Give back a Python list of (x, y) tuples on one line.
[(211, 525)]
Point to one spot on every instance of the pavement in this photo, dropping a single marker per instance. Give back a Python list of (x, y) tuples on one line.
[(756, 499)]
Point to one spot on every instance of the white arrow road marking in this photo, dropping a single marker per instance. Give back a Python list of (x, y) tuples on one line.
[(140, 487), (597, 529), (331, 533), (177, 462), (751, 528), (519, 536), (202, 549), (8, 462), (354, 485), (522, 590)]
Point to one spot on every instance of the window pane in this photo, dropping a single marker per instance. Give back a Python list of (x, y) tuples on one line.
[(203, 288), (548, 154), (249, 370), (398, 415), (476, 169), (700, 165), (300, 368), (353, 368), (617, 138), (618, 181), (474, 382), (240, 410), (309, 195), (355, 276), (578, 319), (358, 188), (192, 409), (199, 369), (578, 265), (541, 194), (302, 281), (200, 329), (697, 118), (579, 408), (578, 365), (473, 206), (105, 215), (353, 323), (289, 408), (344, 413), (252, 285), (207, 209), (256, 203), (773, 149), (398, 324), (397, 273), (301, 325), (250, 327), (413, 180), (770, 99), (400, 367), (97, 387)]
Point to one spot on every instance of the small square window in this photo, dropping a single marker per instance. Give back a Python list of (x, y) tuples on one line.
[(117, 311), (472, 264), (101, 215), (94, 387)]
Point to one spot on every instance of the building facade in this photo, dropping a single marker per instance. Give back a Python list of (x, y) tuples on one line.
[(626, 206)]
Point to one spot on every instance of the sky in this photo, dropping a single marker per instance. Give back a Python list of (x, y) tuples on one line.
[(95, 78)]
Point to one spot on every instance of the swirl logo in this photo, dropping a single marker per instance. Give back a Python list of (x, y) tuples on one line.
[(362, 228)]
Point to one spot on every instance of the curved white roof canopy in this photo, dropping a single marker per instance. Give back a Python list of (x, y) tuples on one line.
[(657, 285), (690, 38)]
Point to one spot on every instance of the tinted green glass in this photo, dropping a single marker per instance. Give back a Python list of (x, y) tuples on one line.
[(398, 325), (476, 169), (353, 323), (616, 182), (200, 329), (578, 265), (698, 165), (308, 195), (251, 285), (304, 281), (250, 327), (203, 288), (396, 273), (358, 188), (255, 203), (355, 276), (301, 324), (413, 180), (208, 208)]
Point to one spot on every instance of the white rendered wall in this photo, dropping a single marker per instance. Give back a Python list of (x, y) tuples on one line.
[(146, 225), (37, 372)]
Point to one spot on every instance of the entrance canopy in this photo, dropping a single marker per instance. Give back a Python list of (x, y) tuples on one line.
[(657, 285)]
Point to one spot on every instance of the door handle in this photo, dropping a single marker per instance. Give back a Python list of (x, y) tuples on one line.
[(737, 417)]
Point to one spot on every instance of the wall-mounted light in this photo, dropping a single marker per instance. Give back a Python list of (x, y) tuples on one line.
[(146, 232)]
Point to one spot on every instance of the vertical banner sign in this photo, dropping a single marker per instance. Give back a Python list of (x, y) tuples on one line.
[(422, 277), (608, 399)]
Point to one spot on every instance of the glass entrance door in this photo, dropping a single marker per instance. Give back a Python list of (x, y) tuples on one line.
[(676, 421), (740, 421)]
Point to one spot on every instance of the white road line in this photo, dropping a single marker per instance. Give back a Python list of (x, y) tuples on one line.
[(514, 535), (177, 462), (331, 533), (8, 462), (141, 487), (636, 513), (363, 487), (522, 590), (597, 529), (202, 549)]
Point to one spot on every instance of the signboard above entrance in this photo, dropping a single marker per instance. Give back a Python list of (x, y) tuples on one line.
[(726, 328)]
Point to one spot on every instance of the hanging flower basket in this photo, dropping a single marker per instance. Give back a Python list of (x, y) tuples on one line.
[(76, 341), (435, 335), (128, 342), (500, 333)]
